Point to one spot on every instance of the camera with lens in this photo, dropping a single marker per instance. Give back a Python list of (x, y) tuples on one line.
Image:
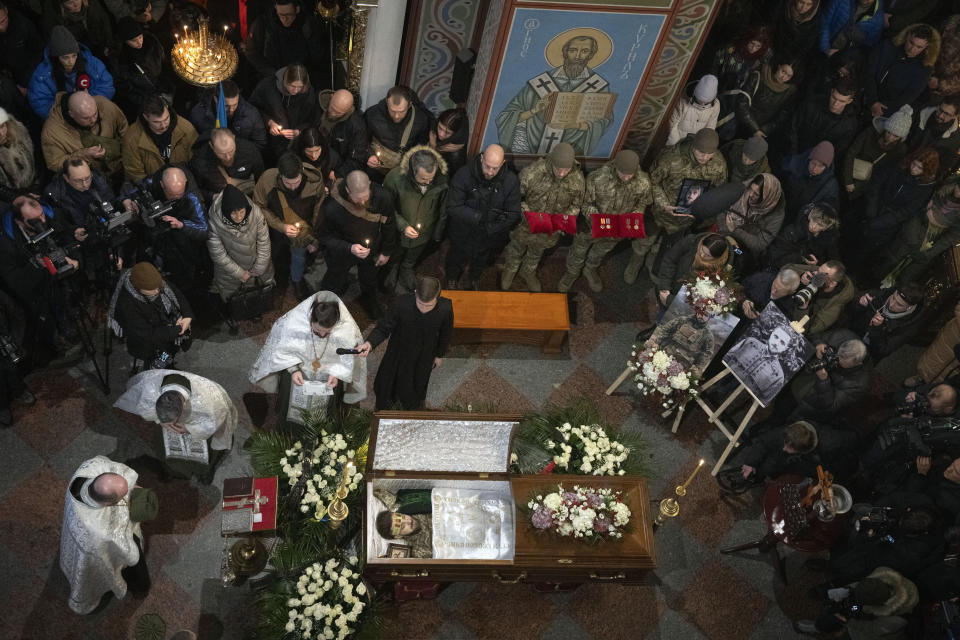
[(152, 209), (923, 436), (829, 361), (111, 225), (919, 407), (805, 293), (49, 255), (879, 523), (10, 349)]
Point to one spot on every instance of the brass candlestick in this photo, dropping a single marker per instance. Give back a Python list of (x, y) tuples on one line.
[(669, 507), (338, 510)]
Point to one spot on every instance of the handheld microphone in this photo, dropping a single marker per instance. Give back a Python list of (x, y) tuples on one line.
[(342, 352)]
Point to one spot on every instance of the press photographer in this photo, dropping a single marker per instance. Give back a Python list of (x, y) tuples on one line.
[(152, 315), (823, 293), (86, 198), (176, 239), (887, 318), (35, 248)]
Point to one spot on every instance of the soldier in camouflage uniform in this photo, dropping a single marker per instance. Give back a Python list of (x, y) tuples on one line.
[(552, 184), (695, 158), (619, 186)]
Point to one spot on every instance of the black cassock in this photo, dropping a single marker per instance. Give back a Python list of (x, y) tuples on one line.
[(415, 340)]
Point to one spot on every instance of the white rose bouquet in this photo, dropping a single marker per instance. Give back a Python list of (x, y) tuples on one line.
[(586, 449), (330, 601), (584, 512), (324, 465), (659, 372)]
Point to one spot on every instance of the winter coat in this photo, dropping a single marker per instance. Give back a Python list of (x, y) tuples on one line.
[(947, 69), (17, 165), (235, 249), (893, 79), (756, 232), (667, 173), (91, 26), (866, 147), (795, 242), (739, 172), (909, 240), (766, 110), (19, 272), (416, 338), (825, 308), (425, 212), (141, 157), (813, 122), (825, 400), (273, 101), (839, 14), (756, 289), (349, 138), (147, 328), (246, 122), (344, 224), (140, 73), (893, 198), (801, 189), (305, 203), (886, 621), (687, 118), (892, 333), (792, 37), (43, 89), (947, 144), (59, 137), (677, 264), (389, 133), (247, 164), (76, 204), (938, 358), (21, 47), (272, 46), (542, 191), (479, 209)]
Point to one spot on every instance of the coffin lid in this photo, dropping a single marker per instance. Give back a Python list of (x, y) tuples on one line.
[(440, 442)]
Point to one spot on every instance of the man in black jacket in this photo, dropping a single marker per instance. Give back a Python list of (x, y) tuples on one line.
[(242, 117), (395, 124), (483, 204), (887, 318), (279, 38), (833, 119), (21, 47), (221, 159), (346, 130), (831, 388), (358, 229)]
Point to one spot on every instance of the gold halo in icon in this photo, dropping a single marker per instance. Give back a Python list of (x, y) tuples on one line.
[(554, 50)]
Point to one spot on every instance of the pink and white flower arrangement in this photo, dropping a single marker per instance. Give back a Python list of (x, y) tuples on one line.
[(659, 372), (712, 294), (584, 512)]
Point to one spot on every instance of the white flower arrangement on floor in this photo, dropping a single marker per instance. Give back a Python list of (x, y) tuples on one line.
[(326, 463), (585, 512), (330, 598), (586, 449), (659, 372)]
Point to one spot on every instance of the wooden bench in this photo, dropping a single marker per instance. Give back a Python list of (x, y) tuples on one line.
[(508, 316)]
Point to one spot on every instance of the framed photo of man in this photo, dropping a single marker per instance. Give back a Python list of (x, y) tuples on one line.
[(395, 550), (768, 355), (690, 190)]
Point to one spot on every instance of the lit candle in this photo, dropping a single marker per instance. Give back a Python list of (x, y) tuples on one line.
[(685, 484), (367, 242), (297, 225), (418, 226)]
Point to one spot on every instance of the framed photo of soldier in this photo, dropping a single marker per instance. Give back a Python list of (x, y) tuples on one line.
[(720, 327), (768, 355), (690, 190)]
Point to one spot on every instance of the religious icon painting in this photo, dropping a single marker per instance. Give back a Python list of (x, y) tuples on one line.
[(395, 550), (570, 76), (690, 190)]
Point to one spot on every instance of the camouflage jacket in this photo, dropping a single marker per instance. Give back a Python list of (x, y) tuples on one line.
[(541, 191), (670, 168), (607, 193)]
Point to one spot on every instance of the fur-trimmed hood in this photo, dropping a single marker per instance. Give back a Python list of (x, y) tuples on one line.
[(932, 51), (405, 160), (903, 597)]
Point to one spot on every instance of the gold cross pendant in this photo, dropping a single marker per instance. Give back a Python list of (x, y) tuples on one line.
[(316, 364)]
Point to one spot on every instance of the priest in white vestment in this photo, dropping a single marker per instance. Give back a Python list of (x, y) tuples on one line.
[(303, 343), (97, 541)]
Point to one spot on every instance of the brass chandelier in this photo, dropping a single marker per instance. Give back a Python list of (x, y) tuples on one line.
[(201, 58)]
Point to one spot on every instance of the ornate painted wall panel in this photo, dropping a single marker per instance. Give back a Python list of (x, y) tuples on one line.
[(444, 28), (601, 77)]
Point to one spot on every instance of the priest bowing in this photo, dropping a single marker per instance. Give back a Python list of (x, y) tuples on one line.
[(300, 359)]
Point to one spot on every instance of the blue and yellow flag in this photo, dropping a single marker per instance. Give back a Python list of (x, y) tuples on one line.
[(221, 110)]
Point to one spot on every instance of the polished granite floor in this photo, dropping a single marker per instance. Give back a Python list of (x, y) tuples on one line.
[(694, 593)]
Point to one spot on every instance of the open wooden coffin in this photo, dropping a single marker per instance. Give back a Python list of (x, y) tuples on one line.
[(465, 457)]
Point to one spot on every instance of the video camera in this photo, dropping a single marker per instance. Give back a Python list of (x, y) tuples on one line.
[(111, 225), (919, 407), (49, 254), (879, 523), (829, 361), (152, 209), (805, 293), (923, 436)]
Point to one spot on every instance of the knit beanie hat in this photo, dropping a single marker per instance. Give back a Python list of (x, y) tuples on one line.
[(562, 156), (4, 116), (62, 42), (232, 200), (706, 89), (900, 122), (755, 148), (706, 141), (822, 153), (128, 28), (145, 277), (627, 162)]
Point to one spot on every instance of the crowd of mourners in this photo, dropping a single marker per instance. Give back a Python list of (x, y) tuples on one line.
[(821, 139)]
